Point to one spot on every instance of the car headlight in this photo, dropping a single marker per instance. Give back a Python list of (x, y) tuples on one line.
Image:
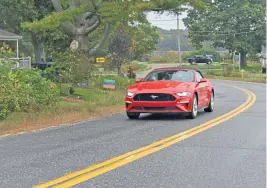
[(184, 94), (130, 94)]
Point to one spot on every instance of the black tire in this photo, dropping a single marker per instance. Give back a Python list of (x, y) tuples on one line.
[(209, 62), (133, 115), (210, 108), (193, 113)]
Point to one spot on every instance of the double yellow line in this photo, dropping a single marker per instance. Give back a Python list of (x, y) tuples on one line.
[(111, 164)]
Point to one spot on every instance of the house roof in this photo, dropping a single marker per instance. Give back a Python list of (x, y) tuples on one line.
[(5, 35)]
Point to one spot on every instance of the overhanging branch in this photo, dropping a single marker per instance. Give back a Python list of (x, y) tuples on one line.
[(103, 41), (68, 27)]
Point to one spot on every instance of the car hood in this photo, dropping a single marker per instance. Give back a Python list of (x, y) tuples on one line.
[(160, 86)]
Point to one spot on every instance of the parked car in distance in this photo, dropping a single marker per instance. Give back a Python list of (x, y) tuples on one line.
[(200, 59)]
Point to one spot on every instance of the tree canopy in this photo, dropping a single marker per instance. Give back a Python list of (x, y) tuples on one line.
[(14, 12), (80, 18), (235, 25)]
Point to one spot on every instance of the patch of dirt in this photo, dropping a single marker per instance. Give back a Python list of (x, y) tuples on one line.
[(70, 118)]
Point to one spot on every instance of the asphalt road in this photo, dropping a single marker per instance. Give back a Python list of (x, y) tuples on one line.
[(230, 155)]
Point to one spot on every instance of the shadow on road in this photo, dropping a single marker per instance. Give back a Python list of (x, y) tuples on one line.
[(164, 117)]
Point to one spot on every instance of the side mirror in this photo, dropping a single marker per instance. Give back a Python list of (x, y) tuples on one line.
[(138, 80), (202, 80)]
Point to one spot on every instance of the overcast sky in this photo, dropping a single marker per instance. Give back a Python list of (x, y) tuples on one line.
[(166, 21)]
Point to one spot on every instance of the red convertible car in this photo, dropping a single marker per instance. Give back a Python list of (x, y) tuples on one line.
[(170, 90)]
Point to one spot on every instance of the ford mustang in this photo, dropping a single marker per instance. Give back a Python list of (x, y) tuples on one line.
[(170, 90)]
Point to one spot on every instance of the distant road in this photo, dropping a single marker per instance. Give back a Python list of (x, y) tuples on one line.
[(154, 66)]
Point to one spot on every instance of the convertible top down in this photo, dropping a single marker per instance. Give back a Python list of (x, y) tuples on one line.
[(170, 90)]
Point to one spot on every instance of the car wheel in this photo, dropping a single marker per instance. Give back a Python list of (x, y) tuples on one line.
[(209, 62), (193, 113), (133, 115), (211, 104), (193, 63)]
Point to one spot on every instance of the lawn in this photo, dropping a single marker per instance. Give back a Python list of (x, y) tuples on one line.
[(136, 66), (83, 104), (249, 67), (259, 78)]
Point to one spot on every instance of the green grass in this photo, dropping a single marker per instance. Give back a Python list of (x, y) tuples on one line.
[(83, 102), (95, 101), (136, 66), (250, 67), (257, 80), (237, 76), (100, 97)]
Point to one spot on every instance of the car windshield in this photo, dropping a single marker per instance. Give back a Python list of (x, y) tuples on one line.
[(175, 75)]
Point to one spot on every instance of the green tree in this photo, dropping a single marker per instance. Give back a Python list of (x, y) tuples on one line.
[(14, 12), (235, 25), (119, 48), (80, 18), (144, 37)]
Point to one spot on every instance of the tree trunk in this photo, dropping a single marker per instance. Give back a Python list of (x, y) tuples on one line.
[(39, 51), (243, 59), (119, 71), (83, 41)]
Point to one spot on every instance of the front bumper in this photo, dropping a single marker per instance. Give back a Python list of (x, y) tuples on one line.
[(181, 104)]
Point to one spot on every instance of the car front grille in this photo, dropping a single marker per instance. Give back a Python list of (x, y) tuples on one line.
[(154, 97), (155, 108)]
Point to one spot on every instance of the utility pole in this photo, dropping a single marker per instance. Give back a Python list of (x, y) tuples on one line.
[(178, 41)]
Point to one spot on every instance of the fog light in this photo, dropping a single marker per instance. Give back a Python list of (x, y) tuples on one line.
[(184, 102)]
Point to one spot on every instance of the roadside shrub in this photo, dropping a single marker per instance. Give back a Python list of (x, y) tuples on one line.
[(136, 66), (74, 67), (66, 89), (3, 111), (158, 59), (6, 51), (72, 90), (25, 90)]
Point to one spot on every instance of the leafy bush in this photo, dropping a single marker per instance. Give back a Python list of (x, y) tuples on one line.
[(24, 90), (216, 55), (72, 90), (66, 89), (170, 57), (135, 66), (6, 51), (158, 59), (173, 56), (74, 67)]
